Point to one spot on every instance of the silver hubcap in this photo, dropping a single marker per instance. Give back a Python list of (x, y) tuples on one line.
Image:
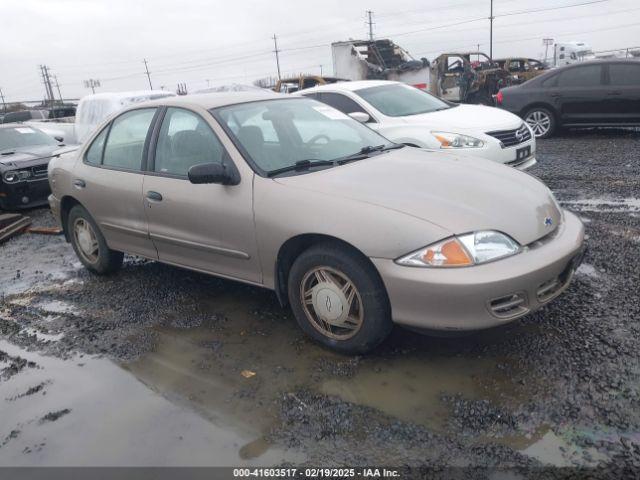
[(332, 303), (539, 122), (86, 240)]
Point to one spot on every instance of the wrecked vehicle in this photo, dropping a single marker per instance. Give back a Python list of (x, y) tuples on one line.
[(521, 69), (467, 78), (378, 60), (414, 117), (351, 230), (25, 152), (290, 85)]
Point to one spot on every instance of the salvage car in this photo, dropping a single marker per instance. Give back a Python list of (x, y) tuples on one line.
[(416, 118), (602, 93), (521, 69), (470, 77), (353, 231), (25, 152)]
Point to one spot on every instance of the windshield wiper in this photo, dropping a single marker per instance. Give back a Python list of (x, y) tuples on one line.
[(300, 165), (365, 151), (8, 152)]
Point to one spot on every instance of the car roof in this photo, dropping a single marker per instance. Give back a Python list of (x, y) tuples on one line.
[(213, 100), (347, 86)]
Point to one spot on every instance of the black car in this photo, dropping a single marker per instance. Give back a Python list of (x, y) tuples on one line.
[(25, 116), (24, 157), (604, 93)]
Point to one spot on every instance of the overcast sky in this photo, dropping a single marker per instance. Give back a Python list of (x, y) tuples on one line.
[(193, 41)]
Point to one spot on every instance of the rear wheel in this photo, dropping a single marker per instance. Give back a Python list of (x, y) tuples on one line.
[(541, 121), (338, 299), (89, 243)]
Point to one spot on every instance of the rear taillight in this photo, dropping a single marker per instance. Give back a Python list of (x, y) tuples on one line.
[(499, 98)]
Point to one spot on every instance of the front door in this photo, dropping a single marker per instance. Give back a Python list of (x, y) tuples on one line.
[(622, 102), (581, 93), (205, 227), (108, 182)]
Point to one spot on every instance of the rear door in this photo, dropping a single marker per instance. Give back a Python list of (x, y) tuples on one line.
[(206, 227), (622, 103), (108, 182), (581, 93)]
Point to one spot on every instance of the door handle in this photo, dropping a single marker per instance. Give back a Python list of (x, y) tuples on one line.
[(614, 93), (154, 196), (78, 183)]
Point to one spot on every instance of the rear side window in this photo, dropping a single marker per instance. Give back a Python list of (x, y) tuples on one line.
[(185, 140), (94, 153), (340, 102), (125, 143), (622, 74), (584, 76)]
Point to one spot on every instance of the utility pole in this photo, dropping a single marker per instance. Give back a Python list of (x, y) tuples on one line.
[(55, 77), (44, 70), (275, 43), (370, 23), (321, 74), (146, 67), (4, 105), (491, 33), (547, 42), (92, 83)]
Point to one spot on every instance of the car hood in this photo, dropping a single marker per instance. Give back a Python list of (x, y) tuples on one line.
[(28, 155), (467, 118), (458, 194)]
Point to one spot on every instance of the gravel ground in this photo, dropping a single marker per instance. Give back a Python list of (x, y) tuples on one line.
[(555, 394)]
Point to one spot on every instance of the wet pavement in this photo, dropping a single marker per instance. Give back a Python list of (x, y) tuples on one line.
[(160, 366)]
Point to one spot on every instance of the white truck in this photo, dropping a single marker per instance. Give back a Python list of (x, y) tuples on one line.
[(91, 112), (571, 52)]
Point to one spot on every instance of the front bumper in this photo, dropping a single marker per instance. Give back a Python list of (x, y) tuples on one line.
[(26, 194), (481, 296)]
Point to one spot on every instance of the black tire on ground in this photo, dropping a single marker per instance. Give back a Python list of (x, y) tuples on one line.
[(107, 261), (546, 113), (376, 324)]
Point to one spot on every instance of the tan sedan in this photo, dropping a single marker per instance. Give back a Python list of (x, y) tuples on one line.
[(354, 232)]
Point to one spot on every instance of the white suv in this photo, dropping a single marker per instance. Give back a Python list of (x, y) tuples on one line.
[(405, 114)]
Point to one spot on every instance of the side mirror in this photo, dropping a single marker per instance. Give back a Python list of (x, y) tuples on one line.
[(360, 116), (211, 173), (59, 139)]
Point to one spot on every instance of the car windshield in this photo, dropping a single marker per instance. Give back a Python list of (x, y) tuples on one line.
[(398, 100), (23, 136), (281, 133)]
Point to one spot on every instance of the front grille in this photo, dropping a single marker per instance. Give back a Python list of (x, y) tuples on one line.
[(509, 306), (39, 171), (510, 138)]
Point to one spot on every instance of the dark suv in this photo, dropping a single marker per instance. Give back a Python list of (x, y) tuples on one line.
[(603, 93)]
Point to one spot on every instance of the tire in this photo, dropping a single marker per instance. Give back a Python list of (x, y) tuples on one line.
[(102, 260), (542, 121), (367, 298)]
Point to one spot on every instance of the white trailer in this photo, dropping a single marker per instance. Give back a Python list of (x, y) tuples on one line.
[(571, 52)]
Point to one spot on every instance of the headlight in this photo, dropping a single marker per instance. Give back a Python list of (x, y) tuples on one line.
[(463, 250), (17, 176), (456, 140)]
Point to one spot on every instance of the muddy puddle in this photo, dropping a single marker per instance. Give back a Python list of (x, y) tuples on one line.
[(91, 412)]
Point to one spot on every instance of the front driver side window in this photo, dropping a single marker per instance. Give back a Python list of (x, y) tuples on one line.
[(185, 140)]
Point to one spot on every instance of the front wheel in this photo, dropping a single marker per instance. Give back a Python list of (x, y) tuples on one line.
[(89, 243), (541, 121), (338, 299)]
